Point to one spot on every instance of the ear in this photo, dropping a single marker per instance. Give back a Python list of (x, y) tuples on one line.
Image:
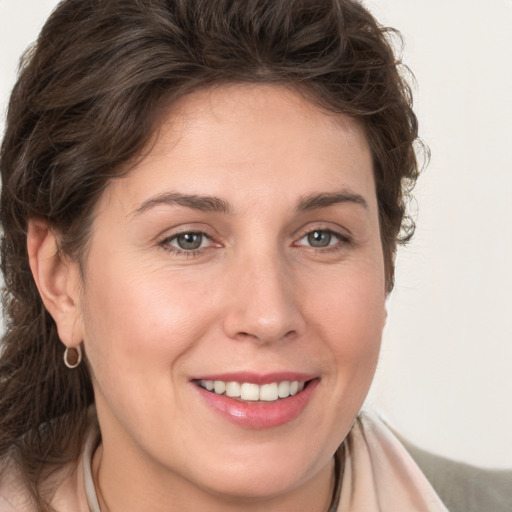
[(57, 280)]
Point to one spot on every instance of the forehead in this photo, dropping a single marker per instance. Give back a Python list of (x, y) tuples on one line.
[(251, 139)]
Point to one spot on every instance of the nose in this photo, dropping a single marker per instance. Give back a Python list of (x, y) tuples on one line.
[(263, 303)]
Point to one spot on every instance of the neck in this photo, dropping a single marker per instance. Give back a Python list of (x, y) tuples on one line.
[(118, 490)]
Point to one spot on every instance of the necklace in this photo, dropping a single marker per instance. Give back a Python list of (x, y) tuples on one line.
[(339, 466)]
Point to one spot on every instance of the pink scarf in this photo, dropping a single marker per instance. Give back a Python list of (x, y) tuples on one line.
[(380, 475)]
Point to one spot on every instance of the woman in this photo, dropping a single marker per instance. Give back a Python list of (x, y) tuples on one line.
[(201, 204)]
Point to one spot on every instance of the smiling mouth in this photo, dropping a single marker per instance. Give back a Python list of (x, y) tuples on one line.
[(251, 392)]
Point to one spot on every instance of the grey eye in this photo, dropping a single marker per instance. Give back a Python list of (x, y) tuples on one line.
[(189, 241), (319, 238)]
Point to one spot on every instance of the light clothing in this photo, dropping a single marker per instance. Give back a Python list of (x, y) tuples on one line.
[(378, 475), (73, 484)]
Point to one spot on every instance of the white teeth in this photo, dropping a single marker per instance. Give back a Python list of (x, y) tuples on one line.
[(219, 387), (250, 391), (233, 389), (269, 392), (284, 389), (253, 392)]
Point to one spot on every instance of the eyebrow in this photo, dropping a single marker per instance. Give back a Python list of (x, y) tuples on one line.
[(218, 205), (326, 199), (203, 203)]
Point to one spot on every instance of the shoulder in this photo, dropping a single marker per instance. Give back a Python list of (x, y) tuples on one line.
[(61, 489), (463, 487), (63, 486), (14, 495)]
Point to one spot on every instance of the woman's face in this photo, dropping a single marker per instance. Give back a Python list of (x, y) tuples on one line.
[(243, 251)]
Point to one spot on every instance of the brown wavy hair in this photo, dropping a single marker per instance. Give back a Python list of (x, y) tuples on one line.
[(89, 97)]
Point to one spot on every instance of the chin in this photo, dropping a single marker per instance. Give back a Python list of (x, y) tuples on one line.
[(263, 472), (256, 482)]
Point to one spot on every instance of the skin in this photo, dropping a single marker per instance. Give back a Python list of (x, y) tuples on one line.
[(256, 297)]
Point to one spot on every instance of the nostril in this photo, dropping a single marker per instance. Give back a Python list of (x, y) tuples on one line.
[(251, 318), (266, 338)]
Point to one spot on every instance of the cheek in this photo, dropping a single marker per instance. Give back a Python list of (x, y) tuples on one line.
[(350, 314), (346, 318), (142, 320)]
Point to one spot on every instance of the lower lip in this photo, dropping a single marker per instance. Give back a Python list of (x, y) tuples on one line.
[(259, 415)]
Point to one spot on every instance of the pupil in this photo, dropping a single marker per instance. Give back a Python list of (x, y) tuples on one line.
[(189, 241), (319, 238)]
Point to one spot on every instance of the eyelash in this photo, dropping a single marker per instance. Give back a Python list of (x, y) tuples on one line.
[(342, 241), (165, 244)]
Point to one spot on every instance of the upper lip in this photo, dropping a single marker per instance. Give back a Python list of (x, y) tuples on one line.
[(258, 378)]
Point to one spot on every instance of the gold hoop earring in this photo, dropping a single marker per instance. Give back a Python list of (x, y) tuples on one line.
[(72, 356)]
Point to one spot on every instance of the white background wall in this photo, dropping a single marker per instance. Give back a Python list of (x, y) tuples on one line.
[(445, 376)]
